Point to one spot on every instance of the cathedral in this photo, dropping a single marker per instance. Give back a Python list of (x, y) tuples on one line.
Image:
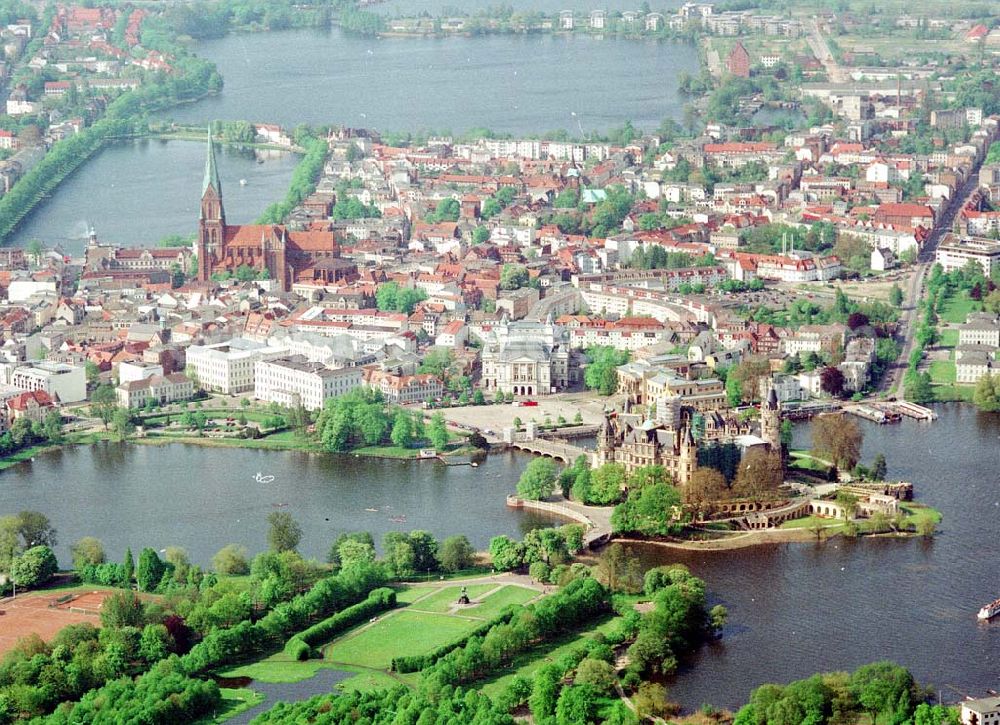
[(273, 250)]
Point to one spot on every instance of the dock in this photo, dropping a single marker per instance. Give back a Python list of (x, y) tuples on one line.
[(912, 410)]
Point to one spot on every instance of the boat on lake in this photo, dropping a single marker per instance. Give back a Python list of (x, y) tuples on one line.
[(990, 610)]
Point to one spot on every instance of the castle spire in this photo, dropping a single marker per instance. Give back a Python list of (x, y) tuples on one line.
[(211, 171)]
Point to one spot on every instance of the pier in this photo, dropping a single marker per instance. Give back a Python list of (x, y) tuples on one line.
[(913, 410)]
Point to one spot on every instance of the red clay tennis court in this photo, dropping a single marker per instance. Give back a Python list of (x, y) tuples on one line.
[(45, 613)]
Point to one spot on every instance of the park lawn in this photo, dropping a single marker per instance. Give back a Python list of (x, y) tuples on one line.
[(278, 668), (234, 701), (953, 392), (949, 337), (830, 525), (917, 512), (408, 594), (957, 307), (498, 601), (396, 635), (943, 372), (370, 680), (444, 599), (527, 663), (387, 452), (805, 461)]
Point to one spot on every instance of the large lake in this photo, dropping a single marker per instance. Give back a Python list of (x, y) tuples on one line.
[(516, 84), (412, 8), (134, 193), (204, 498)]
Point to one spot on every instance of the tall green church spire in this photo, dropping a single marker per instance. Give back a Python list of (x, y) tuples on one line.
[(211, 171)]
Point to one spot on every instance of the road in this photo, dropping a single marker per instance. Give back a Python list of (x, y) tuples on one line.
[(909, 319), (822, 52)]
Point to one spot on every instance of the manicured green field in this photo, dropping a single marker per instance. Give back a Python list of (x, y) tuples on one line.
[(444, 599), (368, 680), (953, 392), (408, 595), (395, 635), (806, 522), (277, 668), (915, 513), (943, 372), (496, 602), (949, 337), (957, 308)]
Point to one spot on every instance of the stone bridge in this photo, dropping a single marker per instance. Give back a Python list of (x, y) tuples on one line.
[(557, 449)]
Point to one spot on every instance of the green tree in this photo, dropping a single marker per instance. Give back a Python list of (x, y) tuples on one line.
[(149, 571), (437, 431), (601, 372), (284, 532), (104, 403), (506, 554), (231, 560), (597, 674), (122, 425), (34, 567), (88, 551), (606, 484), (402, 430), (986, 395), (456, 553), (896, 296), (513, 276), (122, 609), (155, 643), (35, 529), (538, 480), (577, 705), (128, 568)]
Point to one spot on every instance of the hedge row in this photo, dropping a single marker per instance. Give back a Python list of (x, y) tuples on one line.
[(221, 646), (377, 601), (416, 663)]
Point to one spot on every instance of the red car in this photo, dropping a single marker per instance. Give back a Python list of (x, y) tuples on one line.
[(529, 403)]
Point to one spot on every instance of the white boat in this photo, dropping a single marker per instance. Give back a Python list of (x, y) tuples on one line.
[(990, 610), (243, 182)]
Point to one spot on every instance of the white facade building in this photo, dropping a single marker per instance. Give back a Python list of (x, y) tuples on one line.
[(63, 382), (293, 381), (228, 367)]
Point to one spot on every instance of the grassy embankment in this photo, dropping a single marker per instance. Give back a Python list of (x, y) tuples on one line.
[(278, 440)]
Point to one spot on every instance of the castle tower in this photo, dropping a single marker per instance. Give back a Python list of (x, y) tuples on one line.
[(770, 420), (687, 459), (212, 221)]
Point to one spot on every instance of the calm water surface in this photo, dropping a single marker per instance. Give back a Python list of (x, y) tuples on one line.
[(135, 193), (204, 498), (517, 84), (412, 8), (796, 609)]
